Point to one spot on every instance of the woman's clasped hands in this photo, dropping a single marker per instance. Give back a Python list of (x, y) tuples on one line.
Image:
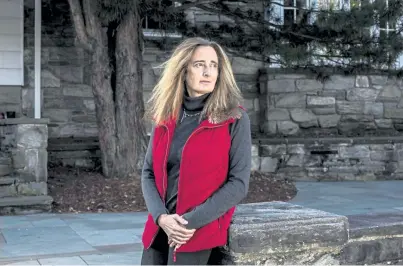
[(174, 227)]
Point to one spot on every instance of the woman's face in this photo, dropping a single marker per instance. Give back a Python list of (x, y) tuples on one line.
[(202, 71)]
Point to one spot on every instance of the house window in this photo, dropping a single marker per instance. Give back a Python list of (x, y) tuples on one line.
[(154, 28), (385, 27), (293, 9), (288, 12)]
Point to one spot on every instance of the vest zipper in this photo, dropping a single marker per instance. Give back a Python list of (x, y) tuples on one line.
[(163, 184), (180, 168), (179, 179)]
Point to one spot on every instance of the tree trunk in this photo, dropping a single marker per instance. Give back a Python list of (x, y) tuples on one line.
[(105, 109), (131, 141), (120, 108)]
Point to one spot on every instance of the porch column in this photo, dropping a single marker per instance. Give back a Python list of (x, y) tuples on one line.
[(38, 26)]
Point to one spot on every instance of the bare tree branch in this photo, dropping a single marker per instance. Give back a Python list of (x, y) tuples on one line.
[(93, 25), (77, 16)]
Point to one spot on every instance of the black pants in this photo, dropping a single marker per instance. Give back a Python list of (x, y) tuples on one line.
[(161, 254)]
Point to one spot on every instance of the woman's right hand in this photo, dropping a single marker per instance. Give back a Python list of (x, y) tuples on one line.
[(174, 227)]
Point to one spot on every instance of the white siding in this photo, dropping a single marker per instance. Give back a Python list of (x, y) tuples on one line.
[(11, 42), (10, 25), (10, 76)]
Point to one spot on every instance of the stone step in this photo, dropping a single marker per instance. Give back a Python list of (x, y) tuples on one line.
[(15, 187), (25, 205), (8, 180), (53, 141), (5, 160), (74, 154), (5, 170), (73, 146), (8, 190)]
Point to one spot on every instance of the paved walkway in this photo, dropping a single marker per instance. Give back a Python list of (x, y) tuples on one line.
[(351, 197), (115, 238)]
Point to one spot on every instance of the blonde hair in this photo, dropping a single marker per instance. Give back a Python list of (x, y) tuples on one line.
[(167, 96)]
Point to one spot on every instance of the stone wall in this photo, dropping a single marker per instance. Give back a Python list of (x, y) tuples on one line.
[(66, 95), (298, 104), (318, 159), (23, 163)]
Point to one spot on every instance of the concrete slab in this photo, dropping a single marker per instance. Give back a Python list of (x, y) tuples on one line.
[(14, 222), (130, 258), (110, 237), (374, 238), (270, 232), (120, 248), (4, 254), (2, 240), (49, 222), (376, 224), (102, 216), (40, 216), (27, 262), (350, 197), (36, 249), (39, 234), (102, 225), (76, 260)]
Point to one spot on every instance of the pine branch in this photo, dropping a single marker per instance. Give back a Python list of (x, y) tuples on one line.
[(186, 4), (261, 22)]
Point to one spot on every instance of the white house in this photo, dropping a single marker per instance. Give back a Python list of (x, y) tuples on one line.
[(12, 55)]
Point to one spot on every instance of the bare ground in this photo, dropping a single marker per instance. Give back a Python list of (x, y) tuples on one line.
[(78, 191)]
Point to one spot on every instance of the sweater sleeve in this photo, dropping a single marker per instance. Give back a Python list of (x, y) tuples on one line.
[(151, 196), (237, 185)]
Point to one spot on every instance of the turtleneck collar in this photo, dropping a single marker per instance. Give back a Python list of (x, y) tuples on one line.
[(195, 103)]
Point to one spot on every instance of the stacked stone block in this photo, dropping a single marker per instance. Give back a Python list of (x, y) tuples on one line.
[(344, 105), (330, 159), (23, 164)]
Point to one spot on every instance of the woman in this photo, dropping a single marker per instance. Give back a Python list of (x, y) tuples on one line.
[(198, 161)]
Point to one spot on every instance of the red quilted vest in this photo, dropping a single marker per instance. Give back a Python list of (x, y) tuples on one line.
[(204, 168)]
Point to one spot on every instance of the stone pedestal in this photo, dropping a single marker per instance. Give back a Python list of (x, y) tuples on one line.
[(24, 174), (280, 233)]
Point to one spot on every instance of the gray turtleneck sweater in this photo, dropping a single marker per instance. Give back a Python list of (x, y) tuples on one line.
[(230, 194)]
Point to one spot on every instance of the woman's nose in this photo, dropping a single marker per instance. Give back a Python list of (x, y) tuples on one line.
[(206, 71)]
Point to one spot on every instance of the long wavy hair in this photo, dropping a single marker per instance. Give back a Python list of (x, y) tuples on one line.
[(167, 96)]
